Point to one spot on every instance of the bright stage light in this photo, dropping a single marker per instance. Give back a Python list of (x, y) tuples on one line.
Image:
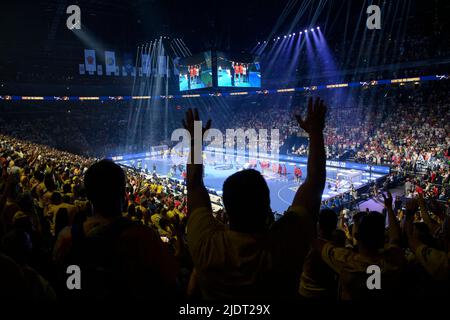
[(278, 38), (306, 31), (312, 29), (318, 28), (293, 34), (285, 37)]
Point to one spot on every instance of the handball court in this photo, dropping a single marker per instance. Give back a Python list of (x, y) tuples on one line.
[(282, 187)]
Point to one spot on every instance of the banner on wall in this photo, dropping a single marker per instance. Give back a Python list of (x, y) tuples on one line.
[(89, 60), (128, 62), (110, 62)]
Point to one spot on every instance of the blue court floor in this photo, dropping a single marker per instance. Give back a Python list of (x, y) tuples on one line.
[(282, 189)]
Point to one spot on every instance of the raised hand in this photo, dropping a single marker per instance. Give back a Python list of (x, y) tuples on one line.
[(421, 202), (309, 195), (315, 116), (190, 118), (387, 200), (411, 207), (197, 195)]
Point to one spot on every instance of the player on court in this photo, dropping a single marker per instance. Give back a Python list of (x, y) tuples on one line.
[(236, 72), (241, 71), (337, 185), (191, 74), (197, 73)]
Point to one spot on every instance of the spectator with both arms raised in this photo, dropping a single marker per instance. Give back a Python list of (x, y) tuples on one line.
[(255, 257)]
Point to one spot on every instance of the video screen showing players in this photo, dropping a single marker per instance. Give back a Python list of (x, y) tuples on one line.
[(195, 72), (238, 72)]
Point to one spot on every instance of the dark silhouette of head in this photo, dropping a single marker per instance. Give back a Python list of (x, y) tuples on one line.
[(49, 182), (246, 198), (17, 245), (25, 202), (39, 176), (61, 220), (327, 223), (371, 231), (339, 238), (422, 232), (67, 188), (56, 198), (105, 187), (131, 210)]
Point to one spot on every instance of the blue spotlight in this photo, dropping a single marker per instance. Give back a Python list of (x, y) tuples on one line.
[(278, 38), (293, 34), (290, 35), (285, 37), (306, 31), (318, 28), (312, 29)]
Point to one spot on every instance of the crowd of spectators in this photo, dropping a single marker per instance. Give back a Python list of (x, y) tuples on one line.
[(44, 199), (405, 128), (159, 239), (88, 130)]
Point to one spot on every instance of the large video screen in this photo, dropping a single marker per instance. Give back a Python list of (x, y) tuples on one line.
[(238, 71), (195, 72)]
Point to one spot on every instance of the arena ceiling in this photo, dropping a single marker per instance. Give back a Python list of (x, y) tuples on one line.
[(36, 29)]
